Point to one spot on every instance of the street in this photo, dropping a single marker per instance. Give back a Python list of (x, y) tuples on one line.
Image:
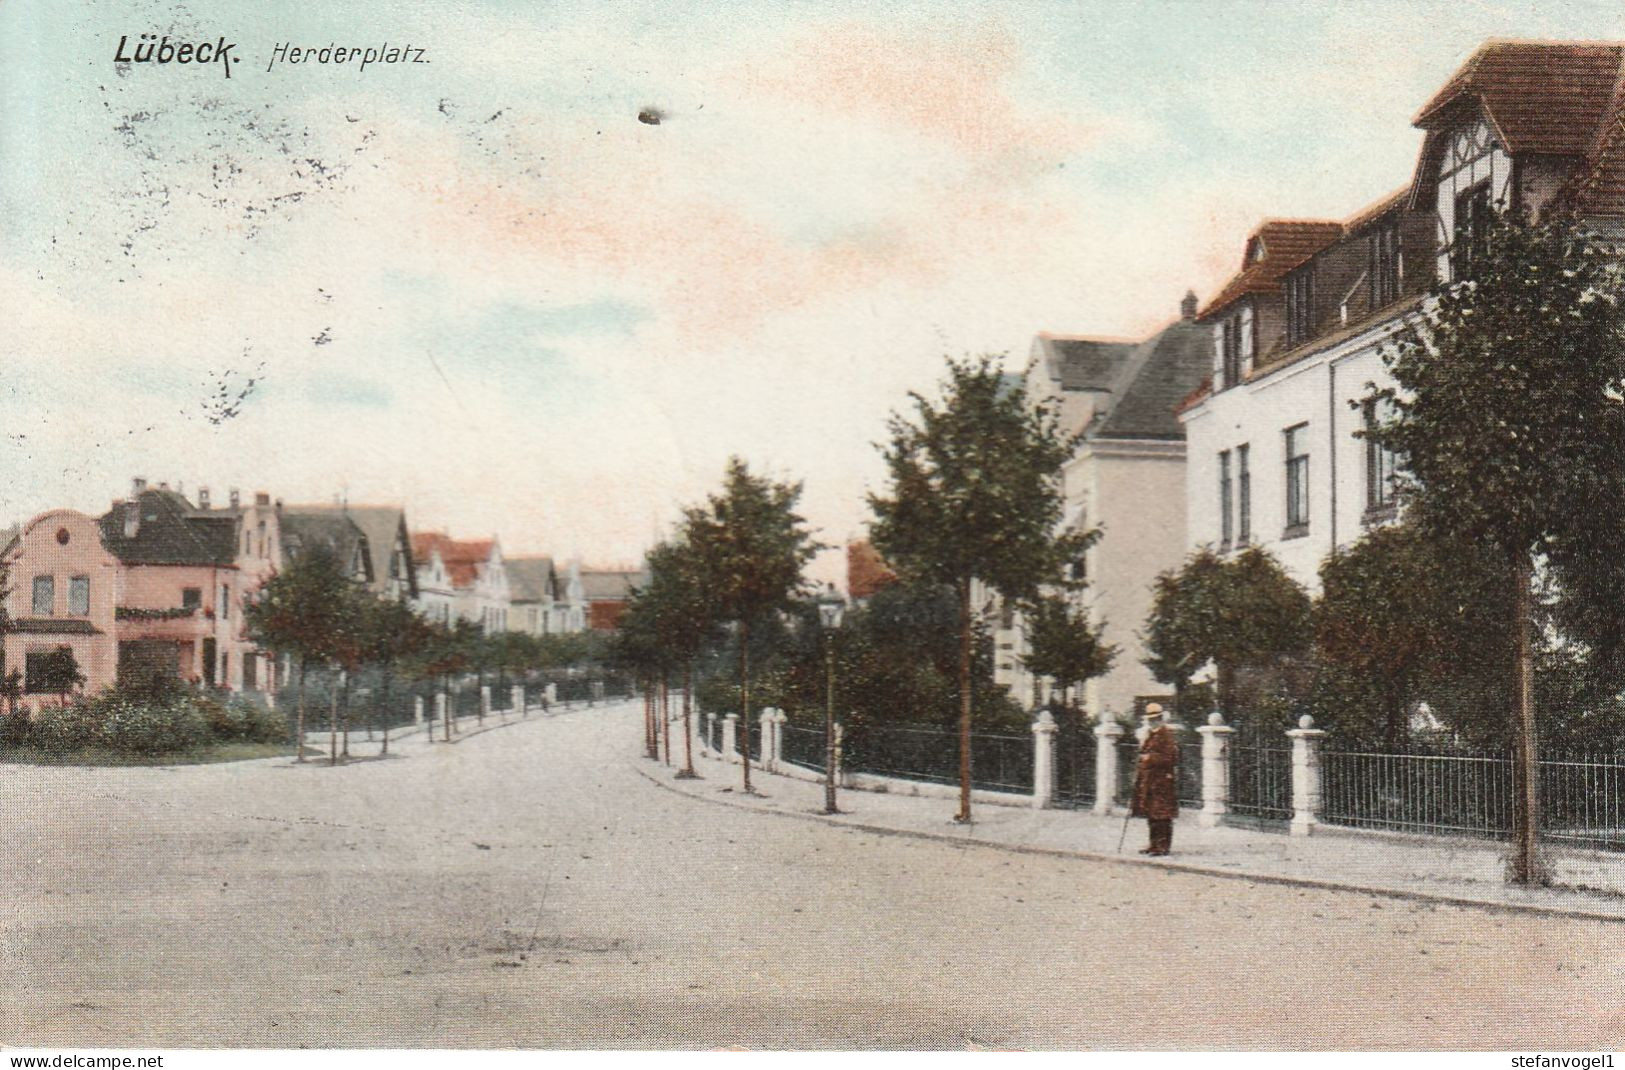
[(528, 888)]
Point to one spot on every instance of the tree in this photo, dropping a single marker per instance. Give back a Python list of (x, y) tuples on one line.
[(1062, 644), (304, 612), (1244, 612), (391, 633), (1402, 619), (748, 548), (1508, 419), (684, 623), (976, 497)]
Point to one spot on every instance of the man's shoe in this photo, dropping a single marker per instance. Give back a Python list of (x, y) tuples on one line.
[(1147, 851)]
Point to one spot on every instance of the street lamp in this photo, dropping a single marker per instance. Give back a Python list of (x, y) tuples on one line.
[(831, 607)]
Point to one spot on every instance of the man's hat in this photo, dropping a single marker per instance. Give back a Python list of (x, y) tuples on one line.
[(1153, 712)]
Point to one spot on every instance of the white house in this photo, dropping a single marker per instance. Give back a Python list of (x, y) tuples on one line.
[(1126, 478), (1297, 334), (466, 577)]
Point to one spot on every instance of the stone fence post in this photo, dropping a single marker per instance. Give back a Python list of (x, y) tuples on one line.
[(779, 718), (1044, 729), (485, 700), (1305, 775), (769, 761), (517, 702), (1215, 770), (708, 733), (730, 737), (1107, 733), (417, 710), (440, 709)]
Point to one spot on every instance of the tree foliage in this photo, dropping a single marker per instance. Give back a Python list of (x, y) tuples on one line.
[(1063, 644)]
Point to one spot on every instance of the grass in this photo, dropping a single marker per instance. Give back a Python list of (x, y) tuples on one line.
[(207, 754)]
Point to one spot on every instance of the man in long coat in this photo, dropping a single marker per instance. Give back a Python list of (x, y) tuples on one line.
[(1156, 792)]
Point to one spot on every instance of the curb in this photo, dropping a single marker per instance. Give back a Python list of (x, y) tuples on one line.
[(1318, 884)]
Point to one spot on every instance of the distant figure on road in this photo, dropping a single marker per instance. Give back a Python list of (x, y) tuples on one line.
[(1155, 796)]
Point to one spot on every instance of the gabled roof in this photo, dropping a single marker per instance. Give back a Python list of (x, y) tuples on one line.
[(599, 585), (1161, 373), (1273, 250), (170, 531), (334, 532), (530, 579), (383, 525), (1541, 96), (462, 557), (1076, 363)]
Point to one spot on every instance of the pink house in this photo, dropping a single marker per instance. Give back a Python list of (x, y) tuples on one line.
[(157, 584)]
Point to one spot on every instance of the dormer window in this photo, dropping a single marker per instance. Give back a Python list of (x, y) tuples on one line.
[(1300, 305), (1473, 216), (1386, 266), (1233, 348)]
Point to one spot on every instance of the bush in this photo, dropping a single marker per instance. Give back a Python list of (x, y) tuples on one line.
[(135, 728), (64, 729)]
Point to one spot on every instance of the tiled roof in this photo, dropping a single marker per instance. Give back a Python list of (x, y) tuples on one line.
[(1281, 245), (1161, 373), (607, 585), (335, 532), (1542, 96), (170, 531), (530, 579), (462, 557), (381, 524), (1083, 363)]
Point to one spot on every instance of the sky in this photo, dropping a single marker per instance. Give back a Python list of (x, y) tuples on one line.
[(481, 287)]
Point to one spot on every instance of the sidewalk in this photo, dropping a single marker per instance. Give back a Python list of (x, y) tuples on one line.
[(1460, 871)]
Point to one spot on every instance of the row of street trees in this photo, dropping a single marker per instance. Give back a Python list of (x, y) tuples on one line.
[(974, 505), (312, 613)]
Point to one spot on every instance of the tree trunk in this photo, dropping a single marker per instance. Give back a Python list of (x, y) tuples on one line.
[(1526, 802), (964, 701), (344, 712), (649, 748), (299, 718), (688, 723), (665, 712), (445, 716), (332, 724), (744, 700), (383, 717)]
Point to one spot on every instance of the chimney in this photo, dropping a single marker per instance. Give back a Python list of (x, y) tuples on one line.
[(1187, 307), (137, 485), (163, 486), (236, 499), (261, 498), (132, 517), (203, 497)]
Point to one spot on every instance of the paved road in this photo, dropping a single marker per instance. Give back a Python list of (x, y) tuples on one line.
[(526, 888)]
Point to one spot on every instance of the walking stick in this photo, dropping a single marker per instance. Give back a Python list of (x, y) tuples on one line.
[(1124, 834)]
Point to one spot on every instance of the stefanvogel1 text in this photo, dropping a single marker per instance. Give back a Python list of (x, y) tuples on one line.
[(287, 52)]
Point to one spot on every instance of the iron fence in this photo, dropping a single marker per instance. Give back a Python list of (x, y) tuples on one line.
[(804, 746), (1190, 775), (1581, 795), (1260, 777), (1075, 747), (998, 762)]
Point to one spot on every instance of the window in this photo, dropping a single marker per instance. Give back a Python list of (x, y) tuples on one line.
[(51, 672), (191, 597), (1379, 461), (1385, 266), (1472, 230), (1233, 348), (225, 600), (79, 596), (1297, 479), (44, 596), (1300, 298), (1225, 502), (251, 664), (1244, 496), (209, 647)]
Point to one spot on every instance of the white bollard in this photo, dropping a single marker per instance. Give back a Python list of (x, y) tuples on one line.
[(1107, 733), (417, 711), (730, 737), (1305, 775), (779, 717), (764, 725), (1215, 770), (1044, 729)]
